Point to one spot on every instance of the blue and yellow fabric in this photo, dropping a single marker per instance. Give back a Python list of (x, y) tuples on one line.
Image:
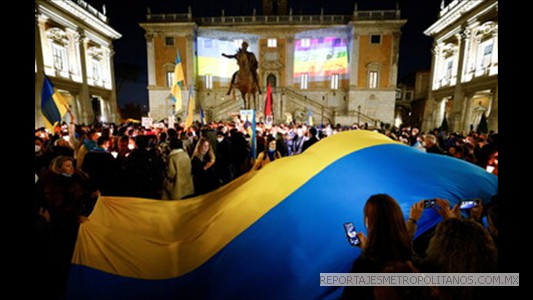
[(268, 234)]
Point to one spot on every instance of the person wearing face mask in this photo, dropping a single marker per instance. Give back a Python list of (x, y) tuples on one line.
[(298, 141), (42, 156), (68, 198), (268, 155)]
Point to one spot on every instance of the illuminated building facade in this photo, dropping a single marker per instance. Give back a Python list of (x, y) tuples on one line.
[(73, 47), (341, 68), (464, 72)]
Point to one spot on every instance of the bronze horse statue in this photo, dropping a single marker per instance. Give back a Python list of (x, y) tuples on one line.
[(245, 81)]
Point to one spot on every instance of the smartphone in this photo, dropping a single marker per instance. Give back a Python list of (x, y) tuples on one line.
[(429, 203), (349, 227), (469, 203)]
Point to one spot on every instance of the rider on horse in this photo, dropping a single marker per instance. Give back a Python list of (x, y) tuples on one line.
[(252, 60)]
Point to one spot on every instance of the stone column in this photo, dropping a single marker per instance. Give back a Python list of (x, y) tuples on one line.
[(85, 100), (394, 59), (39, 61), (191, 62), (289, 62), (354, 58), (466, 113), (426, 116), (150, 59), (113, 102), (458, 97), (72, 52), (46, 50), (466, 50), (438, 65), (473, 45), (493, 117)]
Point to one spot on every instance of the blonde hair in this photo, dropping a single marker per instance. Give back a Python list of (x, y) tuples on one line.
[(197, 153), (57, 163)]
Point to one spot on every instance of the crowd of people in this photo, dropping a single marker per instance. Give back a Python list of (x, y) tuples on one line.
[(77, 163)]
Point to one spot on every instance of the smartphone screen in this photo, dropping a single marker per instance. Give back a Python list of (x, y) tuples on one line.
[(429, 203), (349, 227), (469, 203)]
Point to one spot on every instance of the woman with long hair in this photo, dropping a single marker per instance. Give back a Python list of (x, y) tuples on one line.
[(388, 242), (203, 170), (268, 155)]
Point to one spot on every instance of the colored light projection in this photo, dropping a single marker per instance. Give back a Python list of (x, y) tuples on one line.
[(320, 57), (210, 59)]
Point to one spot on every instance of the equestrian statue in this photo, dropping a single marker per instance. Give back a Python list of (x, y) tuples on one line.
[(246, 78)]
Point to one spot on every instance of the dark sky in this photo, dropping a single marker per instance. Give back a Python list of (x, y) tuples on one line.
[(125, 17)]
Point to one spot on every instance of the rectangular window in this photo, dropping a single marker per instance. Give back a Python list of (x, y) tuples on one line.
[(334, 81), (375, 39), (272, 43), (59, 54), (169, 41), (170, 79), (408, 96), (487, 55), (208, 81), (373, 79), (95, 66), (304, 79), (449, 67), (306, 43)]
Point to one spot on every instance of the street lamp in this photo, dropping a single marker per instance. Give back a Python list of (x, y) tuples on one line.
[(358, 115)]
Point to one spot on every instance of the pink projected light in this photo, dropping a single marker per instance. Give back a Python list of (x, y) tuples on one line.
[(320, 57)]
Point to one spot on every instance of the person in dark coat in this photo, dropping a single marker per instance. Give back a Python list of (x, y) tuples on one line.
[(312, 139), (144, 170), (223, 158), (68, 199), (203, 168), (101, 167)]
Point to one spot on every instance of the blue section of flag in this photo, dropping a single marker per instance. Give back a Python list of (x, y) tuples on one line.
[(48, 105)]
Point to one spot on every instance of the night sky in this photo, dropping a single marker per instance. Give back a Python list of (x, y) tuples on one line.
[(130, 50)]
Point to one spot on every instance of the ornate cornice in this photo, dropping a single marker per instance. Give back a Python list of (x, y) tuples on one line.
[(452, 13), (487, 28), (76, 12), (57, 35), (271, 65)]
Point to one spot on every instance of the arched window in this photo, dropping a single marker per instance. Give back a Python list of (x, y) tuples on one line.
[(272, 80)]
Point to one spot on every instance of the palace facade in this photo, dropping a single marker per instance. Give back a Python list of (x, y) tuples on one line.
[(464, 72), (340, 68), (73, 47)]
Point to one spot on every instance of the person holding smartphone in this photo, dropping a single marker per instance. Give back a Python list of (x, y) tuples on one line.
[(388, 242)]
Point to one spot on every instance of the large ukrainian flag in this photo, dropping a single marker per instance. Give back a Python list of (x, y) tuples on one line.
[(268, 234)]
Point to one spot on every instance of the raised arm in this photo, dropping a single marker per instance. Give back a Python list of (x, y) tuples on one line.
[(229, 56)]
